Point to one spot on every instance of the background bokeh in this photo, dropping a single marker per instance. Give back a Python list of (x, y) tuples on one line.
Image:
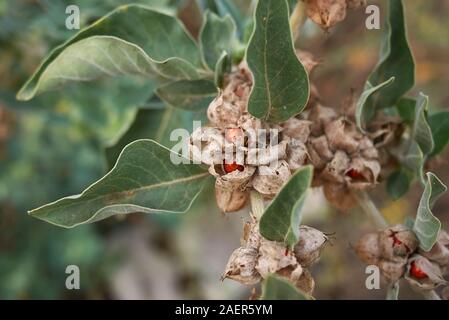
[(53, 146)]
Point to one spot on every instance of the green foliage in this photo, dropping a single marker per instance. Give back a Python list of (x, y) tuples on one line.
[(396, 60), (281, 84), (398, 183), (144, 179), (281, 220), (277, 288), (156, 125), (188, 94), (364, 112), (427, 226), (217, 35), (115, 46), (439, 125)]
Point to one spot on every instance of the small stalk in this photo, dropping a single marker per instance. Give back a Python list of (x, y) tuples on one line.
[(430, 295), (257, 204), (368, 206), (297, 18)]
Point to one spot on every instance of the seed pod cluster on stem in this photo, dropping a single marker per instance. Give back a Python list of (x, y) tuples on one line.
[(258, 257), (396, 252)]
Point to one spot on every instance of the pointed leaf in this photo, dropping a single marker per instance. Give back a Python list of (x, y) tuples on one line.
[(144, 179), (364, 111), (278, 288), (439, 124), (188, 94), (426, 225), (421, 131), (160, 36), (398, 183), (281, 84), (222, 67), (406, 110), (217, 35), (396, 60), (414, 160), (156, 125), (281, 220)]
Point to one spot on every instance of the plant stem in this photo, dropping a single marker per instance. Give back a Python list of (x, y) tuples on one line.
[(430, 295), (297, 19), (368, 206), (257, 204)]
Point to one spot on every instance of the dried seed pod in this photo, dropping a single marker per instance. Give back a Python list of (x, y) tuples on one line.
[(326, 13), (296, 154), (423, 274), (397, 242), (230, 200), (321, 146), (335, 170), (206, 145), (440, 250), (392, 270), (368, 249), (241, 266), (222, 113), (237, 179), (355, 4), (314, 158), (297, 129), (320, 117), (273, 257), (310, 244), (265, 156), (268, 180), (299, 277), (342, 134), (249, 123), (339, 195), (362, 173)]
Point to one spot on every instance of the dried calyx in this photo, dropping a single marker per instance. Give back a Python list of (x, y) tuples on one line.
[(258, 257), (344, 159), (395, 251), (327, 13)]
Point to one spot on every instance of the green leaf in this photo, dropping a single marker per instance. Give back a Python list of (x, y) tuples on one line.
[(223, 66), (421, 131), (396, 60), (147, 33), (414, 159), (188, 94), (281, 220), (406, 110), (439, 124), (426, 225), (393, 291), (281, 84), (216, 35), (398, 183), (223, 8), (144, 179), (364, 111), (278, 288), (156, 125)]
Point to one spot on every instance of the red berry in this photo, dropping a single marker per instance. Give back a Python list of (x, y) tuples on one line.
[(354, 174), (416, 272), (230, 167)]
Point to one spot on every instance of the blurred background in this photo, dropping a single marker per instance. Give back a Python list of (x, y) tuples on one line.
[(53, 146)]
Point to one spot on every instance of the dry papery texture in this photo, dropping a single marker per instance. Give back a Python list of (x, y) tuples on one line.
[(258, 257), (344, 159), (327, 13), (395, 251)]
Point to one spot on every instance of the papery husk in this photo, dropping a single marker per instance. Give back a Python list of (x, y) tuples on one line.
[(230, 200)]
